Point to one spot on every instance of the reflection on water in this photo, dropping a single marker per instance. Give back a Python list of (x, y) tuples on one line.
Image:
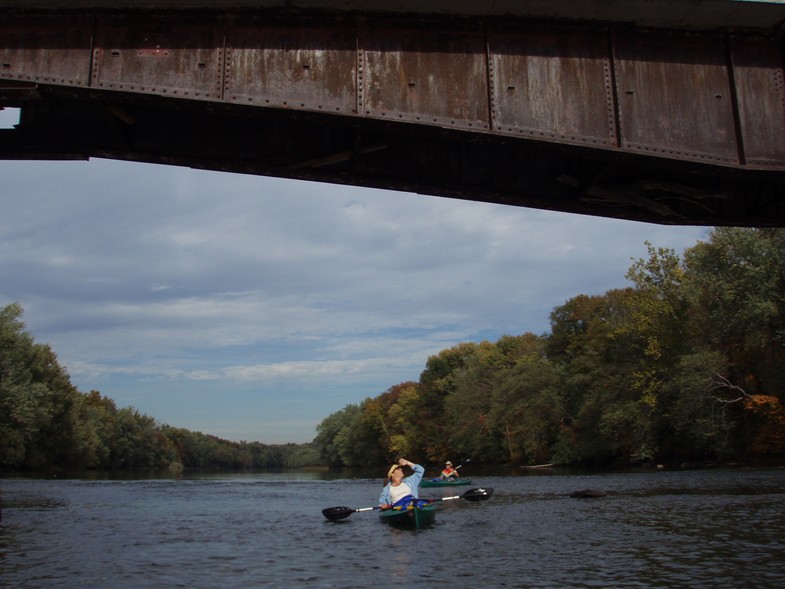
[(650, 529)]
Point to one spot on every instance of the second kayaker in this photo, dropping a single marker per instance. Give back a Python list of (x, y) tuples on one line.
[(449, 472)]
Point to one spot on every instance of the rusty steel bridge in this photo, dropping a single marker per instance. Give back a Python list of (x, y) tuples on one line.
[(663, 111)]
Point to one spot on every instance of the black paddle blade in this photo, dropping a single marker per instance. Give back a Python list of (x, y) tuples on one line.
[(479, 494), (335, 514)]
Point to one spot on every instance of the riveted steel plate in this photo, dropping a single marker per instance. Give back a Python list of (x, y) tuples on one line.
[(760, 91), (46, 49), (425, 74), (170, 55), (674, 95), (304, 65), (552, 84)]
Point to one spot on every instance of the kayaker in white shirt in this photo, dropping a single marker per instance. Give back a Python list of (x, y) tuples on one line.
[(399, 486)]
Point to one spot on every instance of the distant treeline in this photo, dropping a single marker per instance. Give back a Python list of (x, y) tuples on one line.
[(688, 364), (46, 422)]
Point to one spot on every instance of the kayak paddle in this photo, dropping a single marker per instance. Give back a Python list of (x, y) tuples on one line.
[(478, 494), (335, 514)]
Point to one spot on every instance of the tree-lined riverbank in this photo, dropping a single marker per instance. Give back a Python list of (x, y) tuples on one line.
[(685, 365)]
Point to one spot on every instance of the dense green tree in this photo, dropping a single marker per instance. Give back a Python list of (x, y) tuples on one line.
[(466, 409), (471, 431), (528, 409), (94, 430), (738, 284), (402, 422), (598, 354), (369, 437), (333, 436), (699, 418), (437, 383), (36, 398)]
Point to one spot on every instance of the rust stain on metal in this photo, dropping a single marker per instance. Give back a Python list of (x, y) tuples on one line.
[(169, 55), (674, 95), (46, 49), (760, 91), (427, 75), (282, 64), (552, 84)]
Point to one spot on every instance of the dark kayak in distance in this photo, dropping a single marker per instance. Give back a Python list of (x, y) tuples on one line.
[(437, 482)]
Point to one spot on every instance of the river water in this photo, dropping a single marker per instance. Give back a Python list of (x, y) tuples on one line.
[(712, 528)]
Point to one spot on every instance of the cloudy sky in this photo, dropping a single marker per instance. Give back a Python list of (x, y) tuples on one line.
[(251, 308)]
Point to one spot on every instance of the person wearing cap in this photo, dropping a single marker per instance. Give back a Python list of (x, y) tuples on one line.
[(449, 472), (398, 486)]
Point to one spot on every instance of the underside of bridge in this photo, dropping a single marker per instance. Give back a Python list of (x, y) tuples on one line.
[(677, 125)]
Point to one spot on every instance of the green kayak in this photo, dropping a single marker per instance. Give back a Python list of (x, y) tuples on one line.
[(413, 518), (445, 483)]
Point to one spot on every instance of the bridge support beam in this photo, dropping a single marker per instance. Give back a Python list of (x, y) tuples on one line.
[(683, 127)]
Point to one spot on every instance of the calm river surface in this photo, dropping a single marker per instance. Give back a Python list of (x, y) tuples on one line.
[(714, 528)]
